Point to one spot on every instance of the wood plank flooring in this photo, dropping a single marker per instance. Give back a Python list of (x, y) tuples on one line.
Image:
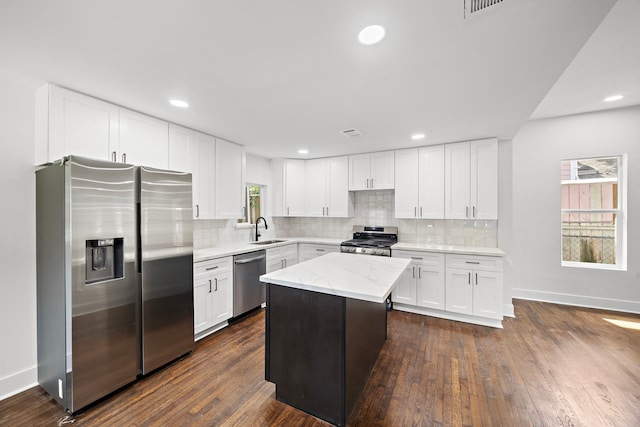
[(551, 365)]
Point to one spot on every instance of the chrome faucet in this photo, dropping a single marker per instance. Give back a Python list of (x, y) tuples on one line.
[(265, 226)]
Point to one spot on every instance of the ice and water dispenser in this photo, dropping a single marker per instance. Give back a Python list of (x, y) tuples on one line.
[(104, 260)]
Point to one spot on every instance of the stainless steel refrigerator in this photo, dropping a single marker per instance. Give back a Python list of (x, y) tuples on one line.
[(112, 276)]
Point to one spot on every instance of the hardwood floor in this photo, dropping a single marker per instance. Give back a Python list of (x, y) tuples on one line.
[(551, 365)]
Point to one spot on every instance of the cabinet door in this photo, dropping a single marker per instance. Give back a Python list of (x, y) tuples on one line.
[(430, 286), (407, 179), (457, 181), (274, 259), (77, 124), (405, 290), (484, 179), (228, 180), (222, 291), (487, 294), (339, 201), (294, 188), (315, 179), (144, 140), (431, 179), (204, 178), (290, 255), (359, 172), (459, 291), (202, 303), (382, 171)]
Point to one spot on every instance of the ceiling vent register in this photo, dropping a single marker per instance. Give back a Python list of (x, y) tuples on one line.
[(351, 133), (473, 6)]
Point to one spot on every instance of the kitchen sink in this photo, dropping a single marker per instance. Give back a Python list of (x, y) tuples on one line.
[(267, 242)]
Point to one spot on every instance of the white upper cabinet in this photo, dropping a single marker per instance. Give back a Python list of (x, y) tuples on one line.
[(288, 194), (228, 180), (68, 123), (194, 152), (471, 180), (327, 188), (315, 196), (371, 171), (419, 182), (144, 140)]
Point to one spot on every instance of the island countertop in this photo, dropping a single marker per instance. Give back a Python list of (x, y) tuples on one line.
[(363, 277)]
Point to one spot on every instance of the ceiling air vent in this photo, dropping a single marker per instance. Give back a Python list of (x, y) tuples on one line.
[(351, 133), (473, 6)]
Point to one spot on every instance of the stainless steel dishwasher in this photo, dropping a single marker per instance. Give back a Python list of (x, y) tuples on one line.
[(248, 291)]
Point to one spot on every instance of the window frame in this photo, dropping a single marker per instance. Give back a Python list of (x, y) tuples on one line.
[(620, 212), (245, 221)]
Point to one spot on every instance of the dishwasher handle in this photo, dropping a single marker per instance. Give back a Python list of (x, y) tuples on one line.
[(245, 261)]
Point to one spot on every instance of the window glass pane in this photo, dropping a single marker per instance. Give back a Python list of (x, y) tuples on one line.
[(589, 237), (254, 202), (593, 195), (582, 169)]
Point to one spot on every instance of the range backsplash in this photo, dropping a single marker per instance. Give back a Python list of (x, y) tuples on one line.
[(370, 208)]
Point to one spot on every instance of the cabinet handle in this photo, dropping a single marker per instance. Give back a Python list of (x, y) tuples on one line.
[(371, 182), (367, 182), (472, 262), (113, 156), (476, 279), (419, 272), (287, 210), (420, 211), (197, 211), (466, 211), (216, 289), (209, 285), (469, 278), (212, 268), (474, 212), (319, 250), (413, 272), (327, 210), (124, 157), (415, 211), (416, 257)]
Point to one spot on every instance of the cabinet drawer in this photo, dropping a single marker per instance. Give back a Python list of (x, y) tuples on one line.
[(424, 258), (212, 266), (475, 262)]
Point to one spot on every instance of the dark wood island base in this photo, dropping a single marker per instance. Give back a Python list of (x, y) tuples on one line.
[(321, 348)]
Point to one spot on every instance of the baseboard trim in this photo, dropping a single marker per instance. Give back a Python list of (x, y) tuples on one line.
[(18, 382), (578, 300), (508, 311)]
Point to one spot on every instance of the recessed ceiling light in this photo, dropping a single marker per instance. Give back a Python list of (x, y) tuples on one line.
[(613, 98), (371, 34), (417, 136), (303, 151), (179, 103)]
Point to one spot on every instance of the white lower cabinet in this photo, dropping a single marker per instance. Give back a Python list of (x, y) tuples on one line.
[(307, 251), (422, 283), (212, 295), (282, 257), (467, 288)]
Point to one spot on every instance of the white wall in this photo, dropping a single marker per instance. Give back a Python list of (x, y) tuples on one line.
[(537, 151), (17, 242)]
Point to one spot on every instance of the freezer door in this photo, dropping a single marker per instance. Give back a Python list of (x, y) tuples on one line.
[(165, 261), (101, 336)]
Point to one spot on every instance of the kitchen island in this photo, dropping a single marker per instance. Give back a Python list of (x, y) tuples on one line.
[(326, 323)]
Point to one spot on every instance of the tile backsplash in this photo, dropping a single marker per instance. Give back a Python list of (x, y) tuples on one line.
[(370, 208)]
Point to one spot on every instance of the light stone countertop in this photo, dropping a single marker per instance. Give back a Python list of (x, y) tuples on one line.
[(367, 278), (463, 250), (242, 248)]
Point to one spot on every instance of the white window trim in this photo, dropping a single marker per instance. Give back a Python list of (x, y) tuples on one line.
[(621, 218)]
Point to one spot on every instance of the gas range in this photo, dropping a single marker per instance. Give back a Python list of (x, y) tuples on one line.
[(371, 240)]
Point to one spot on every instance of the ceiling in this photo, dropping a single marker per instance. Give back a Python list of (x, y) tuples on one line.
[(282, 75)]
